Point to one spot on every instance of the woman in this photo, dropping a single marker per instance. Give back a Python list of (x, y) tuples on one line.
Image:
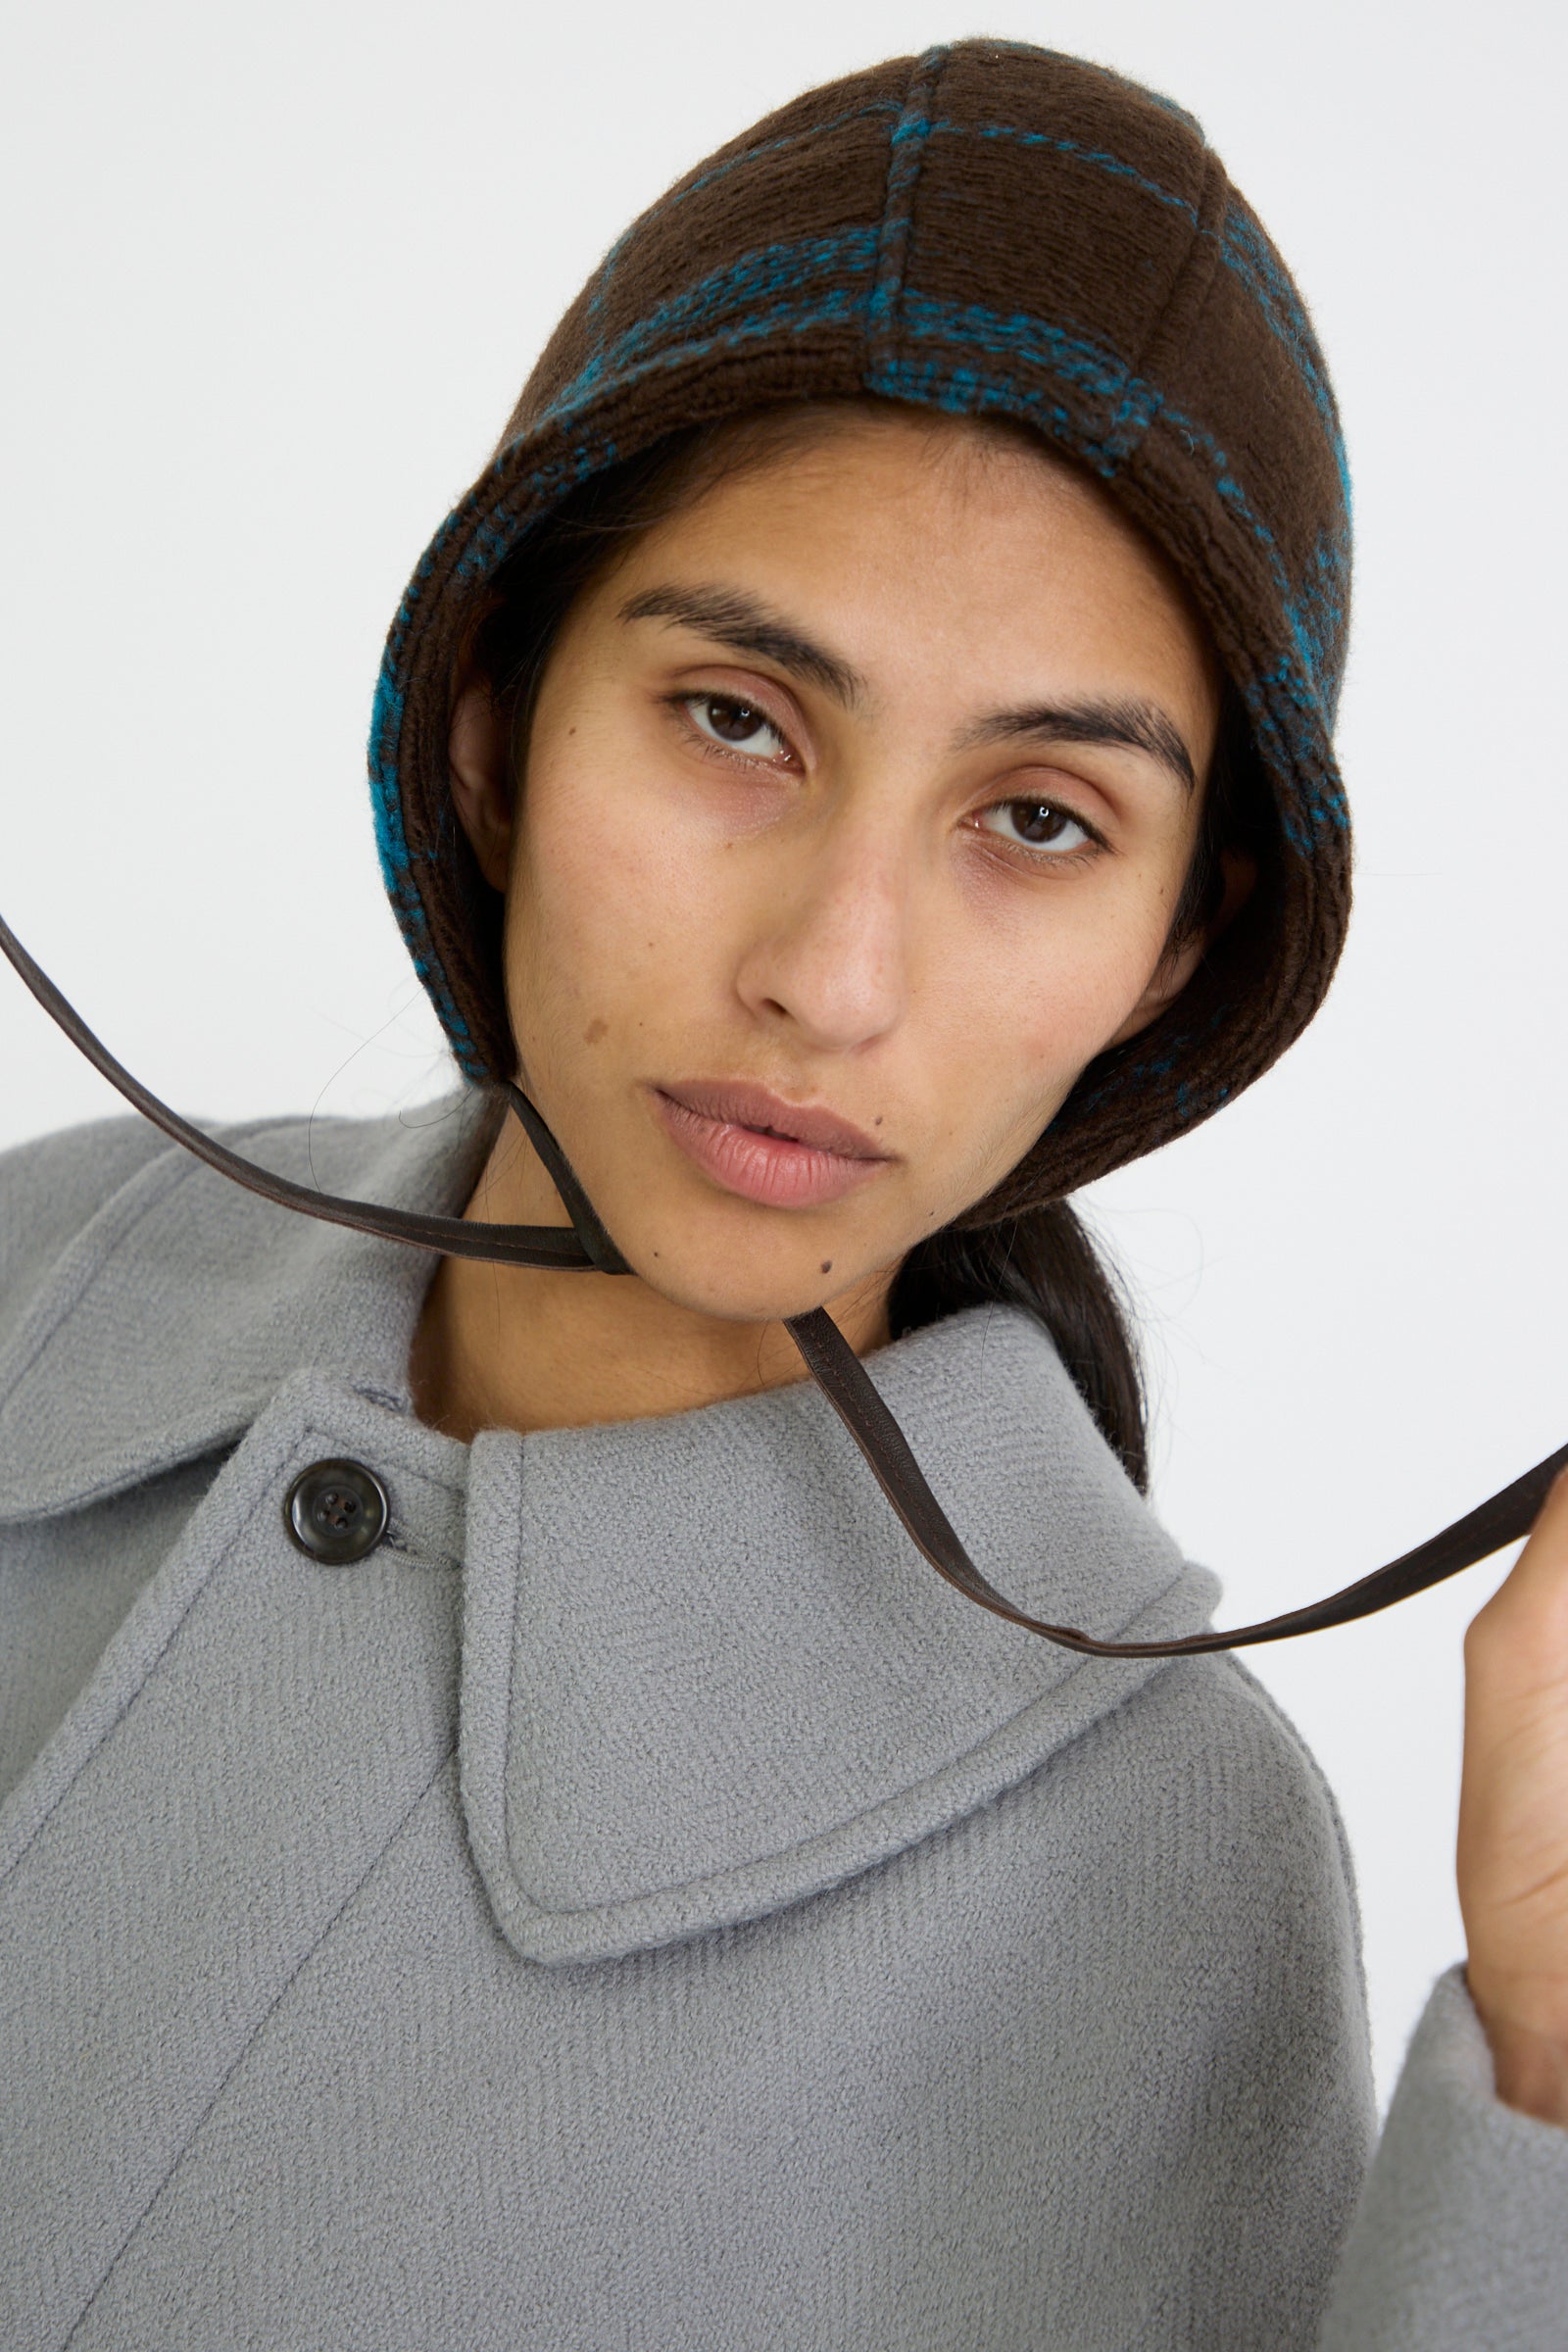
[(505, 1841)]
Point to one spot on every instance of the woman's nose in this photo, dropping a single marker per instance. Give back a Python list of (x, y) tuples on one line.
[(829, 947)]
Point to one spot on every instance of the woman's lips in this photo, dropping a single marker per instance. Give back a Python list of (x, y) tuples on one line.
[(718, 1127)]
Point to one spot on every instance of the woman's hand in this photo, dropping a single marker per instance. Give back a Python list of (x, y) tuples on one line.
[(1513, 1819)]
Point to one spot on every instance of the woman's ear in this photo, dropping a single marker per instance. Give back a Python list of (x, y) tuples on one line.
[(1173, 971), (480, 773)]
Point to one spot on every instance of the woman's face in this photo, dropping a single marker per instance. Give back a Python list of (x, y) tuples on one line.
[(864, 788)]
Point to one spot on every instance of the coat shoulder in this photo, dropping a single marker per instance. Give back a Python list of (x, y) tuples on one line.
[(1245, 1885), (150, 1306), (57, 1188), (1223, 1822), (52, 1186), (97, 1190), (1262, 1828)]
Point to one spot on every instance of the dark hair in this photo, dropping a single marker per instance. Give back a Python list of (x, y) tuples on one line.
[(1043, 1261)]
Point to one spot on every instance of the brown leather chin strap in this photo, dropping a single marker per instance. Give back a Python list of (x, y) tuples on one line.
[(585, 1247)]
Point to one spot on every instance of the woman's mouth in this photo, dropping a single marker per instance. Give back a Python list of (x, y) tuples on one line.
[(764, 1148)]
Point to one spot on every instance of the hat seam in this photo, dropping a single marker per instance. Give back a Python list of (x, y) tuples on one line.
[(907, 146), (705, 180)]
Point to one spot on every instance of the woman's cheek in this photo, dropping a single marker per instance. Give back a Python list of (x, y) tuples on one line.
[(1022, 1063), (1034, 1018), (609, 885), (1079, 1000)]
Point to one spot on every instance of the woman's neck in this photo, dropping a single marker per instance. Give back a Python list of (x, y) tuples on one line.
[(523, 1347)]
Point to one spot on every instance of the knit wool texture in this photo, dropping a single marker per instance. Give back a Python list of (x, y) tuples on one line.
[(991, 229)]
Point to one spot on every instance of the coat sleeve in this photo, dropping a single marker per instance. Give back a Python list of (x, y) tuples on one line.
[(1461, 2239)]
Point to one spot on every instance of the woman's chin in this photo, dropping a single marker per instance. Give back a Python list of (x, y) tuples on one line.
[(714, 1276), (732, 1303)]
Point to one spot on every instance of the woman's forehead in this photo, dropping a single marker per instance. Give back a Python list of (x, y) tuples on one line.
[(849, 552)]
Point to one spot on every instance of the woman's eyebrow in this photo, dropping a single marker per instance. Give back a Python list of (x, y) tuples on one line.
[(1139, 725), (733, 619)]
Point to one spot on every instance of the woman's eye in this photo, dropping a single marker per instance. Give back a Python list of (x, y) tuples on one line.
[(738, 726), (1038, 825)]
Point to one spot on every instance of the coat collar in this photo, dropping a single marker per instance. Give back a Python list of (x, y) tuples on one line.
[(705, 1674), (166, 1322)]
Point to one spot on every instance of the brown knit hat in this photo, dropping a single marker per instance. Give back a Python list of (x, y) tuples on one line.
[(988, 229)]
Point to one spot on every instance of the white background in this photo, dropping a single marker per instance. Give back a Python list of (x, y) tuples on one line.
[(271, 279)]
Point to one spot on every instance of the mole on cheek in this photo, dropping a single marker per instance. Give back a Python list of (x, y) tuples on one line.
[(594, 1032)]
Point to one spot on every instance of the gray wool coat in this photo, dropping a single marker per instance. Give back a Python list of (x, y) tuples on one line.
[(640, 1907)]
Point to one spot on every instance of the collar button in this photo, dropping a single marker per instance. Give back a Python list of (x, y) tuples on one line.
[(336, 1511)]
